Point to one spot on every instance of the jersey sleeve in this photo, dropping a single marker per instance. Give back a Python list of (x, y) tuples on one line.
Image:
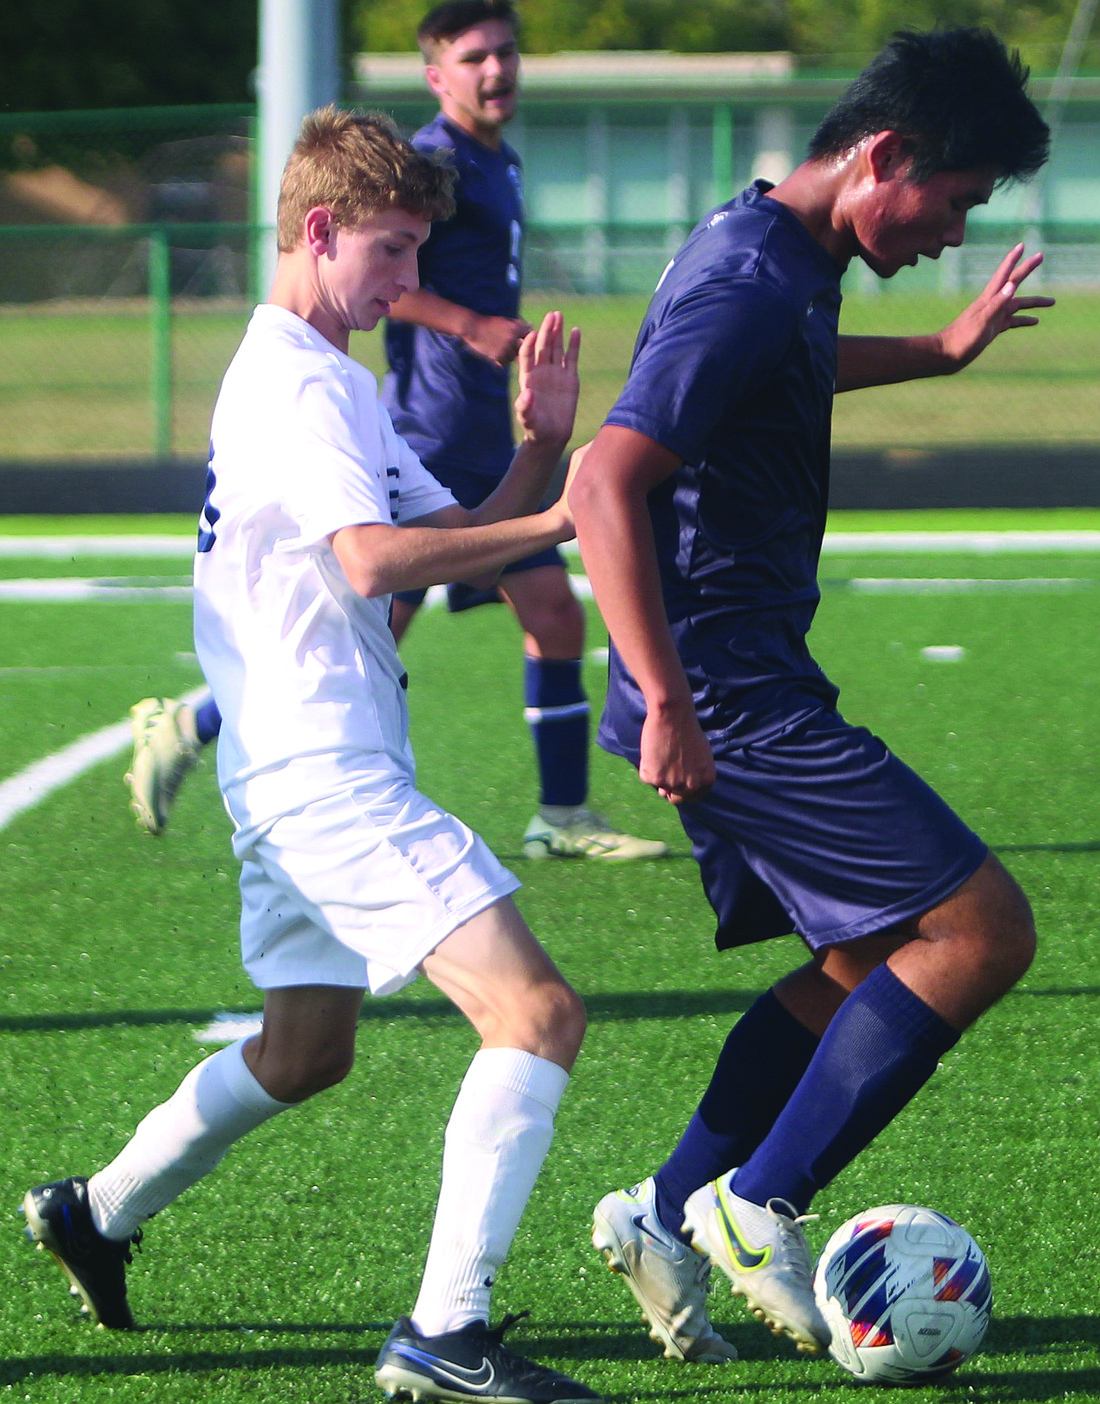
[(418, 491), (336, 476), (714, 345)]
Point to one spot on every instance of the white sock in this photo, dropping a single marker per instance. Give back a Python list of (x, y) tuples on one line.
[(179, 1142), (496, 1140)]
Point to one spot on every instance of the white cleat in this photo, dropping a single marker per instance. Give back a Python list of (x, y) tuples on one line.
[(166, 747), (764, 1253), (668, 1279), (586, 834)]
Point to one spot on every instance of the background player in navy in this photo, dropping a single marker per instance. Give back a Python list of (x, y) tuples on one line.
[(700, 510), (449, 346)]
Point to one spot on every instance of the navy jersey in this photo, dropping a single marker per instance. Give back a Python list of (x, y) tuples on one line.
[(452, 405), (734, 371)]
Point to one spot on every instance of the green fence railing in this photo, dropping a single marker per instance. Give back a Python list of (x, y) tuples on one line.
[(113, 341)]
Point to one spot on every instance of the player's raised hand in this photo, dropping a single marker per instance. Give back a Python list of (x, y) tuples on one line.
[(997, 308), (548, 383)]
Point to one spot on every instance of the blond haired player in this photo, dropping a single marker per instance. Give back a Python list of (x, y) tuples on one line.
[(351, 879)]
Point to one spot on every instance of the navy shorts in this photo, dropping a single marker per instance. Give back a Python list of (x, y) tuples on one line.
[(821, 830), (470, 490)]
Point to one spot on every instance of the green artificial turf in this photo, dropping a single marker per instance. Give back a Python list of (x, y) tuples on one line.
[(278, 1277)]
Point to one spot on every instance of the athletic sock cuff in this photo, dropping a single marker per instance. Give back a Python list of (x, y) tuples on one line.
[(242, 1084), (552, 683), (882, 993), (778, 1021), (524, 1073)]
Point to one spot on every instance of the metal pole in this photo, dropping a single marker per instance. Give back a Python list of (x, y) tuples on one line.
[(160, 328), (299, 70), (1060, 88), (1068, 64), (721, 152)]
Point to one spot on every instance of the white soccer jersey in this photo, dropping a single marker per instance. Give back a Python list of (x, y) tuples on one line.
[(304, 670)]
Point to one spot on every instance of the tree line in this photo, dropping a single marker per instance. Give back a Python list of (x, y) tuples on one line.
[(66, 54)]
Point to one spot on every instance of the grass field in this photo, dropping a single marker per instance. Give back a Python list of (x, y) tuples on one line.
[(277, 1278), (78, 384)]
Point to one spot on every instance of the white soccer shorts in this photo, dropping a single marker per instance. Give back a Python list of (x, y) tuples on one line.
[(356, 889)]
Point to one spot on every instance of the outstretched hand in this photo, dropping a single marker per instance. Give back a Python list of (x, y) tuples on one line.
[(997, 308), (548, 383)]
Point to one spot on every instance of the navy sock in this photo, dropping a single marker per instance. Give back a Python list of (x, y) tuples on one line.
[(208, 721), (557, 711), (881, 1047), (761, 1062)]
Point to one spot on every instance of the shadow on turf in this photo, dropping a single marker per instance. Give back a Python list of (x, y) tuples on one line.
[(586, 1343), (659, 1004), (1089, 846), (656, 1004)]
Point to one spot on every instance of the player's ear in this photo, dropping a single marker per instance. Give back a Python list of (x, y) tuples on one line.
[(318, 228), (433, 76), (886, 154)]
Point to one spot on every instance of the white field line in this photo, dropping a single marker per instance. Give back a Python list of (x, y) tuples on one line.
[(227, 1027), (945, 543), (39, 779), (23, 791), (70, 589), (836, 543), (67, 547), (919, 585), (981, 543)]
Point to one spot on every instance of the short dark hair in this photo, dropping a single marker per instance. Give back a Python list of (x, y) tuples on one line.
[(954, 94), (453, 17)]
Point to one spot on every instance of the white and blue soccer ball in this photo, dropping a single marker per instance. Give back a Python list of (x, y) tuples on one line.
[(906, 1294)]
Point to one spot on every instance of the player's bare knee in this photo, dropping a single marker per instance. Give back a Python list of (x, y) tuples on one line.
[(333, 1065), (1018, 940), (568, 1020), (550, 1020), (1009, 926), (557, 626), (318, 1076), (297, 1076), (996, 950)]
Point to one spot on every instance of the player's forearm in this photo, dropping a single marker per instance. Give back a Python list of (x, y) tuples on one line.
[(424, 308), (524, 486), (616, 542), (379, 560), (863, 361)]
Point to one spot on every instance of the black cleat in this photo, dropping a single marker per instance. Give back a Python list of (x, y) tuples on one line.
[(58, 1218), (473, 1363)]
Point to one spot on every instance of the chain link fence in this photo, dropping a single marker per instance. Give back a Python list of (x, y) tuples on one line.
[(128, 271)]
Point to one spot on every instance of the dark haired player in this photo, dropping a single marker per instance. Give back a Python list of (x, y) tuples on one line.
[(449, 346), (700, 511)]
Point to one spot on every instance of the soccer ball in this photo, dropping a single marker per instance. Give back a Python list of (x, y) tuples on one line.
[(906, 1294)]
